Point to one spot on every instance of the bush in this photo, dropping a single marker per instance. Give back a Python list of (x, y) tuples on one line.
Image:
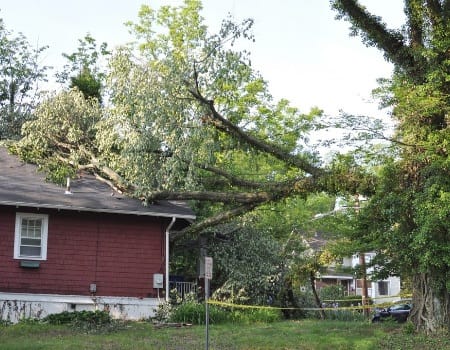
[(163, 312), (61, 318), (86, 321), (195, 313)]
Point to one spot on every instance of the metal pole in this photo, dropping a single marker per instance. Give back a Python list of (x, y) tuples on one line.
[(207, 313)]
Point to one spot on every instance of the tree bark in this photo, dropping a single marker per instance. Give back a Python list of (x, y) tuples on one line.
[(431, 304), (312, 280), (365, 294)]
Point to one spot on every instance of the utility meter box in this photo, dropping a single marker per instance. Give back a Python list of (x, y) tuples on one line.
[(158, 281)]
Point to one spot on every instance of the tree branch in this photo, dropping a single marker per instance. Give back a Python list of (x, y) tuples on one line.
[(233, 180), (106, 181), (222, 197), (414, 12), (375, 33), (214, 220), (435, 11), (114, 176), (219, 122)]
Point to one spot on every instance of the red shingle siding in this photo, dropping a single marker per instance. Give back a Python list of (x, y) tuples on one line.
[(119, 253)]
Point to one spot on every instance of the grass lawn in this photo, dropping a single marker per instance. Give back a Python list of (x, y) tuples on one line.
[(304, 334)]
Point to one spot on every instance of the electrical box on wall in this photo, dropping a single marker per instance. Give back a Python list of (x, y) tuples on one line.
[(158, 280)]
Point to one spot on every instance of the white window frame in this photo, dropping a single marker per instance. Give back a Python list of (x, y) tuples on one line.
[(44, 235)]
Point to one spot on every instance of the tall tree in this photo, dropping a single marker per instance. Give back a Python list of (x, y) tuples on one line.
[(20, 74), (191, 119), (409, 216), (213, 131), (84, 70)]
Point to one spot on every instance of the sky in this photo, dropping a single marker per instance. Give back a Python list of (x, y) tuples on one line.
[(304, 53)]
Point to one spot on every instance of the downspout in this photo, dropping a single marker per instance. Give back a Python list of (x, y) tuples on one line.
[(167, 256)]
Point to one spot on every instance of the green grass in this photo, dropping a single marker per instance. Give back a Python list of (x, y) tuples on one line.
[(305, 334)]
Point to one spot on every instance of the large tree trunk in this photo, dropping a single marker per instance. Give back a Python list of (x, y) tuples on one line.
[(431, 304)]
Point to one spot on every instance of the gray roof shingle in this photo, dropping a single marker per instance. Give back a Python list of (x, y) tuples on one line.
[(22, 185)]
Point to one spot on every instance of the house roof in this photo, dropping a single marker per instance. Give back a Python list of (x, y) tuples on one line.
[(332, 273), (316, 242), (21, 185)]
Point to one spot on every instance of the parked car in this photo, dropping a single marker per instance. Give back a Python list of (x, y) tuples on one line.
[(398, 312)]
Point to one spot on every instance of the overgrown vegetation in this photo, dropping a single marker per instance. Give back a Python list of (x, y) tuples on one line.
[(86, 321), (191, 311), (299, 335)]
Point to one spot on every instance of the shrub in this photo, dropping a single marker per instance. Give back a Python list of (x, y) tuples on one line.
[(195, 313), (86, 321), (61, 318), (29, 320), (163, 312)]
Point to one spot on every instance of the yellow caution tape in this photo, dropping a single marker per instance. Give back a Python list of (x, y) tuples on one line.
[(241, 306)]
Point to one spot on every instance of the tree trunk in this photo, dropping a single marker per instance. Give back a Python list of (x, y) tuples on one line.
[(365, 294), (431, 304), (312, 279)]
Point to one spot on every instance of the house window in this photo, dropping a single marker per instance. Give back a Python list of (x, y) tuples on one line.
[(383, 288), (30, 241)]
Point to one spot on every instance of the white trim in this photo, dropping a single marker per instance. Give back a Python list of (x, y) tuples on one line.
[(18, 231), (167, 238)]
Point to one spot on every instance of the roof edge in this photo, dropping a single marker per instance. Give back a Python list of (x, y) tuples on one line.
[(111, 211)]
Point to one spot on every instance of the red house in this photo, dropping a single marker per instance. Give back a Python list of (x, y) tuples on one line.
[(80, 248)]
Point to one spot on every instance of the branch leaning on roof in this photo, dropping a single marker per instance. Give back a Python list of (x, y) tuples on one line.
[(117, 182)]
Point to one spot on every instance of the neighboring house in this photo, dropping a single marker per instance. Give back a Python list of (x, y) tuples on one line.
[(80, 248), (381, 291)]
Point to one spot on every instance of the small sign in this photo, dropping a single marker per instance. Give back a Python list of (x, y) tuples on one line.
[(208, 267)]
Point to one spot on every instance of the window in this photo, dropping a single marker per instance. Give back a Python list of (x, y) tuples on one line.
[(383, 288), (30, 241)]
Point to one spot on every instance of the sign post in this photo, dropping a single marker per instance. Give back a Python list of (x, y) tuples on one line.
[(208, 277)]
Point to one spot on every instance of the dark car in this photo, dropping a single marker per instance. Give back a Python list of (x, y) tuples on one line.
[(398, 312)]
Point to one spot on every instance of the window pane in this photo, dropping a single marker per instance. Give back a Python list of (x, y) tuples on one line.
[(31, 228), (30, 251), (383, 287), (31, 241), (30, 237)]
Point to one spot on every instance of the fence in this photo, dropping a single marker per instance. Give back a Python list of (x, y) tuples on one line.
[(183, 288)]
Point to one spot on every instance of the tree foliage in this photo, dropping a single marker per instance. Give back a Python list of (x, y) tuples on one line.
[(191, 119), (65, 124), (20, 74), (84, 68), (248, 265), (407, 218)]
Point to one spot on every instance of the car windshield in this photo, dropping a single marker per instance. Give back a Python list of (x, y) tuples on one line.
[(400, 307)]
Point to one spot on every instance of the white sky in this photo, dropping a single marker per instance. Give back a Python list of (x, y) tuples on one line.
[(306, 55)]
